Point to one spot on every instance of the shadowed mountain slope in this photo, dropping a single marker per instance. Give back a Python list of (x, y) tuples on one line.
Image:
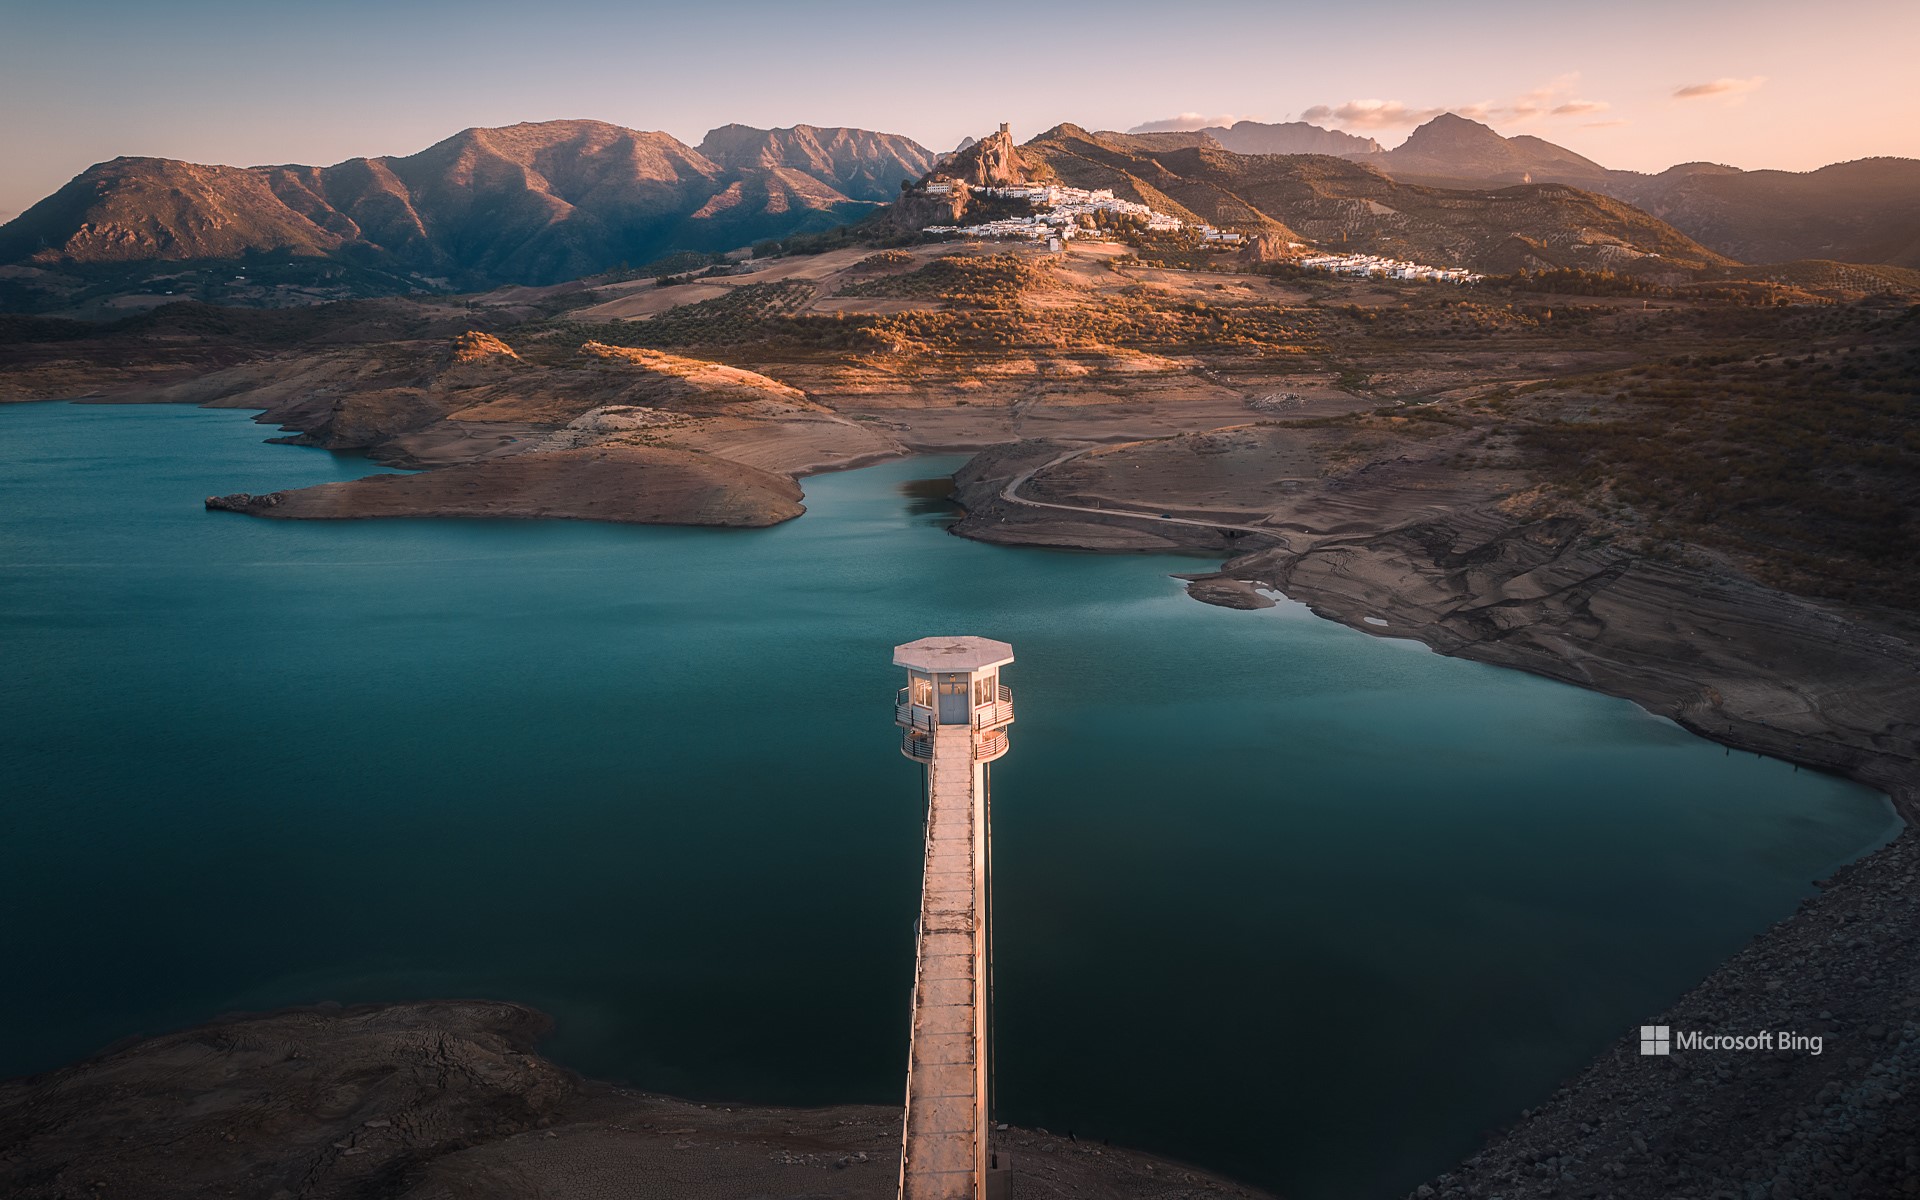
[(859, 163), (1866, 211)]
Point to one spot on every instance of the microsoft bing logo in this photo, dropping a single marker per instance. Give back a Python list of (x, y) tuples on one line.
[(1656, 1039)]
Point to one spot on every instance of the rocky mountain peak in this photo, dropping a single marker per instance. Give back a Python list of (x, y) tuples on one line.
[(1449, 132), (994, 161), (997, 160)]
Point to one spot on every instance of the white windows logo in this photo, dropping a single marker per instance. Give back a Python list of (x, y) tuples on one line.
[(1662, 1040)]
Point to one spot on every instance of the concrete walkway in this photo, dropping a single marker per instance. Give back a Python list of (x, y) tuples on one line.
[(941, 1159)]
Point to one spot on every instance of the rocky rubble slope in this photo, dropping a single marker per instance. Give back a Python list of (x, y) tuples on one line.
[(446, 1100), (1752, 1125)]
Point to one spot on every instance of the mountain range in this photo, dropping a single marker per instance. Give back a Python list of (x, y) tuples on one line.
[(545, 202), (1336, 203), (531, 203), (1290, 137), (1866, 211)]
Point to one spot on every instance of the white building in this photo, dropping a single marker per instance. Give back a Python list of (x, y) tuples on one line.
[(1374, 265)]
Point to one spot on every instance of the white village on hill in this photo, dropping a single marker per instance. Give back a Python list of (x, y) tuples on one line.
[(1061, 214)]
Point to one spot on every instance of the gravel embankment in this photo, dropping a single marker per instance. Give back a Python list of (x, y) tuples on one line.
[(1752, 1125)]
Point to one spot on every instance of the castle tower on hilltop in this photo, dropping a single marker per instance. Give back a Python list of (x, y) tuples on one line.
[(954, 714), (996, 162)]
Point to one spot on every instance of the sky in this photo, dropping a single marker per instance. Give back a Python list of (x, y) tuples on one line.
[(1633, 84)]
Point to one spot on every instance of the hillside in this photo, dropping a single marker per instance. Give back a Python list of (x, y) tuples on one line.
[(1451, 151), (1339, 203), (1867, 211), (531, 203)]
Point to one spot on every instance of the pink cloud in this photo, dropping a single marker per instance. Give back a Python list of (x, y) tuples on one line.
[(1553, 99), (1730, 88), (1185, 123), (1376, 114)]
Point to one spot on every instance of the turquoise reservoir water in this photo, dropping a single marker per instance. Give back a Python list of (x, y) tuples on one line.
[(1273, 896)]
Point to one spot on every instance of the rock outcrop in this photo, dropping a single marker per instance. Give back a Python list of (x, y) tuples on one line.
[(474, 347), (994, 161)]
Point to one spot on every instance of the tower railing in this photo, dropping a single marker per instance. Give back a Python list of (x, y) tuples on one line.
[(986, 716), (990, 745), (904, 713), (998, 713)]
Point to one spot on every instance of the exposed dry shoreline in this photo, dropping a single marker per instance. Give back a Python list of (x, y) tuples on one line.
[(1727, 658), (443, 1100), (1442, 562), (1210, 443), (633, 484)]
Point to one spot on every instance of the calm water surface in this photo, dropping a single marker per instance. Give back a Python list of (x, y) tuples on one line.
[(1273, 896)]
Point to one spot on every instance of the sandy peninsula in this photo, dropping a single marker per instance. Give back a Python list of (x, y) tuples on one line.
[(632, 484)]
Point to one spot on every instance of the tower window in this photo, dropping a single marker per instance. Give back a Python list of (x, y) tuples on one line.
[(984, 692)]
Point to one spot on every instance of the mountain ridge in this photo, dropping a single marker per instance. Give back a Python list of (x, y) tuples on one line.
[(536, 202), (1862, 211), (543, 202), (1352, 203), (1290, 137)]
